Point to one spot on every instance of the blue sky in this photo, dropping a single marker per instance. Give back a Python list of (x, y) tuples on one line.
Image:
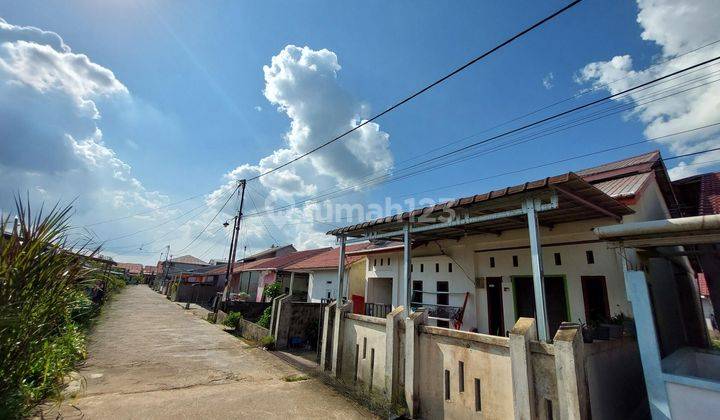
[(194, 71)]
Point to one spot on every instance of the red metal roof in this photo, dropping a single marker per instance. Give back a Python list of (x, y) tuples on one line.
[(635, 164), (625, 187), (709, 194)]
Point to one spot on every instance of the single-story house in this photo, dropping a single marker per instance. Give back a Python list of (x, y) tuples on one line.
[(252, 277), (479, 263), (317, 276)]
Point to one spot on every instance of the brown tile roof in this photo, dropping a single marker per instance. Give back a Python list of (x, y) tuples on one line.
[(279, 263), (709, 194), (702, 284), (131, 268), (189, 259), (149, 269), (570, 210), (329, 259)]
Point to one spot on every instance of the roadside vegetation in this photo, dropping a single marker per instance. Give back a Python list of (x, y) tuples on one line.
[(48, 298)]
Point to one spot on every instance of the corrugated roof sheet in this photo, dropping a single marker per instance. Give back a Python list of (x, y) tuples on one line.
[(628, 164), (709, 194), (625, 187)]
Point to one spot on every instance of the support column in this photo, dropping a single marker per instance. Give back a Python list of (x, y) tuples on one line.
[(570, 373), (412, 361), (392, 344), (292, 280), (341, 272), (537, 268), (521, 368), (405, 286), (637, 292), (327, 333), (337, 349)]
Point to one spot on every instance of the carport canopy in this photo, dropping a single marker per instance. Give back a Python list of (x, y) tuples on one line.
[(545, 202)]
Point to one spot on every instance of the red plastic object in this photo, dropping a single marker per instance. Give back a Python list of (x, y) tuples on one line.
[(358, 304)]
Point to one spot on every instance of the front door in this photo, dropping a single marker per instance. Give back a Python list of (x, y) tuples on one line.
[(555, 300), (495, 306)]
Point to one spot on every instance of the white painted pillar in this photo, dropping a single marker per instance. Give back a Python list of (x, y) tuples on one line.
[(292, 280), (537, 269), (405, 286), (341, 271), (637, 291)]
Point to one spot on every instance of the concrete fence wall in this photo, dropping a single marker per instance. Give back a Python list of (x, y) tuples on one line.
[(437, 372), (463, 374), (252, 331)]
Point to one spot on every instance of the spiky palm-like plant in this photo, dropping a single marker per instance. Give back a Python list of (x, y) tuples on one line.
[(41, 289)]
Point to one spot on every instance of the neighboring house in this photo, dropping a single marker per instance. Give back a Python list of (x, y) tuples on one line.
[(699, 195), (167, 270), (477, 271), (252, 277), (316, 277), (681, 368), (131, 269)]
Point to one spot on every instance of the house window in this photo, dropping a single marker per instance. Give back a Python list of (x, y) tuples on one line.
[(558, 260), (443, 297), (590, 257), (381, 261), (515, 261), (442, 324), (422, 268), (492, 262), (461, 376), (388, 262), (375, 262), (449, 267), (447, 384), (417, 291), (437, 267), (478, 401), (411, 268)]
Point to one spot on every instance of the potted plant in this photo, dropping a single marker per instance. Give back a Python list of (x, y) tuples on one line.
[(587, 332)]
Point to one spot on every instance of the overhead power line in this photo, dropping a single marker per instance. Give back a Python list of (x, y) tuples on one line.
[(424, 89), (525, 127)]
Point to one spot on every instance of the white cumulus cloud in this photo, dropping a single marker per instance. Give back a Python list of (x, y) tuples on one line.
[(676, 26), (303, 84), (51, 141)]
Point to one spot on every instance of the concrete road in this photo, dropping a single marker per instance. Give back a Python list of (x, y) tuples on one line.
[(150, 359)]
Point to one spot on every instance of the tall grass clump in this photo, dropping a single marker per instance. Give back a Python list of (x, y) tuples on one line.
[(45, 305)]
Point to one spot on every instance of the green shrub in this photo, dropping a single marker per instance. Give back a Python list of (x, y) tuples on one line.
[(268, 342), (272, 291), (232, 320), (264, 320), (44, 305)]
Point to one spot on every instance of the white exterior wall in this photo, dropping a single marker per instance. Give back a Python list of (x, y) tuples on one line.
[(320, 283), (470, 257)]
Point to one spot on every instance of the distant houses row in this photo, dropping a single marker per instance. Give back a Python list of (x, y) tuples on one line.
[(616, 256)]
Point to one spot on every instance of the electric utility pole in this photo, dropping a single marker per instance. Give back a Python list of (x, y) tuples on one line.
[(233, 241)]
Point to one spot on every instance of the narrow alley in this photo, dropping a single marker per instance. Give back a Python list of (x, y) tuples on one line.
[(150, 359)]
